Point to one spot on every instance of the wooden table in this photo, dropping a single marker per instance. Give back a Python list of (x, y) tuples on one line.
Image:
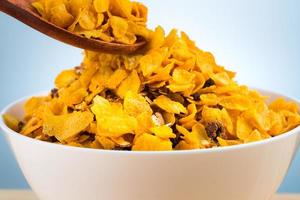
[(29, 195)]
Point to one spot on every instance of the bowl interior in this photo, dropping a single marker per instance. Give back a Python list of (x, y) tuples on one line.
[(16, 109)]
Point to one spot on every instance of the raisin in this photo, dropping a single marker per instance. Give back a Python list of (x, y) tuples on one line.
[(149, 93), (196, 97), (198, 116), (52, 139), (54, 93), (118, 148), (178, 137), (220, 107), (209, 83), (176, 140), (164, 90), (111, 96), (129, 137), (21, 125), (70, 109), (214, 130)]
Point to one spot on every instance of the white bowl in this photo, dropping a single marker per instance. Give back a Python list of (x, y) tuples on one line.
[(244, 172)]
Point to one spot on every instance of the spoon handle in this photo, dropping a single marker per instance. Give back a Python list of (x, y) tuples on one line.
[(18, 9), (21, 10), (8, 7)]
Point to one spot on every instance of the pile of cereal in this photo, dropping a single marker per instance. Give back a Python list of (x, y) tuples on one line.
[(173, 96), (119, 21)]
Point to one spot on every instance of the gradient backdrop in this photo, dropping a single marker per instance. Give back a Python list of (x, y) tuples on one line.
[(260, 39)]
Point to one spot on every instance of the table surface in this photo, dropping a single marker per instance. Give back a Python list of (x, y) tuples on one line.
[(29, 195)]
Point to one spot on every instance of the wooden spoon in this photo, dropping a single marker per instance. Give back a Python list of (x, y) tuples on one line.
[(24, 12)]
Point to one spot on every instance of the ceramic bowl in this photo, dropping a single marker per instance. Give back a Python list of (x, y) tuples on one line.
[(245, 172)]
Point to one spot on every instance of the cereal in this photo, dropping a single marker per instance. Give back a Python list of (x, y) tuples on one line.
[(172, 96), (66, 126), (147, 142), (119, 21), (169, 106)]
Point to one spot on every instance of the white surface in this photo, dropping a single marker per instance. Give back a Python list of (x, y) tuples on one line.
[(246, 172), (29, 195)]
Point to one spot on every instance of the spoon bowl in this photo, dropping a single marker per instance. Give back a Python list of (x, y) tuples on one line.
[(24, 12)]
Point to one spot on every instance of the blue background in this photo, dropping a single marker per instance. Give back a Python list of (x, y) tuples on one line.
[(260, 39)]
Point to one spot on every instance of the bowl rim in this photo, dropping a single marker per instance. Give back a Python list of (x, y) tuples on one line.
[(7, 131)]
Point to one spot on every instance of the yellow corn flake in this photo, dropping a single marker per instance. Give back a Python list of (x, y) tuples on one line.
[(225, 143), (235, 102), (182, 81), (76, 6), (181, 52), (171, 38), (282, 104), (259, 117), (66, 126), (221, 78), (162, 74), (157, 39), (292, 120), (12, 122), (116, 78), (86, 76), (121, 8), (215, 114), (135, 104), (95, 145), (74, 94), (108, 115), (145, 123), (139, 12), (254, 136), (170, 106), (131, 83), (120, 30), (192, 110), (277, 123), (209, 99), (140, 30), (39, 6), (101, 6), (60, 16), (243, 128), (199, 130), (191, 140), (88, 20), (100, 20), (199, 81), (65, 78), (99, 78), (96, 34), (105, 142), (32, 105), (31, 125), (57, 107), (163, 132), (169, 118), (147, 142), (150, 62), (181, 76)]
